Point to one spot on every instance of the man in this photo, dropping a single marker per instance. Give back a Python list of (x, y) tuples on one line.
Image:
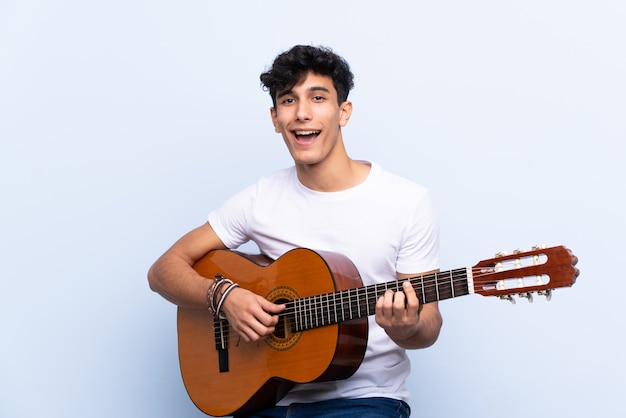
[(326, 201)]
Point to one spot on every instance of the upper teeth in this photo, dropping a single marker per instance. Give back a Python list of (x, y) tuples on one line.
[(306, 132)]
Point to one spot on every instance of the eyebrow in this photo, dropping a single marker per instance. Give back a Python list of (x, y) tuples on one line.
[(310, 89)]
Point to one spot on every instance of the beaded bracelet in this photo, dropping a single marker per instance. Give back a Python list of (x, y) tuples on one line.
[(217, 284), (220, 314), (213, 305)]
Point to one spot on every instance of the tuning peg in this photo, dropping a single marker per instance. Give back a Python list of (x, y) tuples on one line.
[(539, 247), (508, 297), (547, 293), (527, 295)]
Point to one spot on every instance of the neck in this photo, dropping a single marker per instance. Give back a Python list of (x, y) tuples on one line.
[(335, 172), (333, 176)]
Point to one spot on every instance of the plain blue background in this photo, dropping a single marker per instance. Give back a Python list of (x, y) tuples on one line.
[(123, 123)]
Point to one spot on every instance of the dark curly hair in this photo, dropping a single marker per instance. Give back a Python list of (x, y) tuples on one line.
[(292, 66)]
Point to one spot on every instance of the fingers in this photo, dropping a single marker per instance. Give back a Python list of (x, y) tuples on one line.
[(253, 330), (270, 307), (397, 307), (412, 302), (398, 312), (251, 316)]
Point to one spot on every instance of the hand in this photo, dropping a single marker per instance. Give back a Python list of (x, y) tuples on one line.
[(251, 316), (398, 313)]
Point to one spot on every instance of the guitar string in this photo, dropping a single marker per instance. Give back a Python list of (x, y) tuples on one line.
[(349, 296), (357, 294), (429, 282), (355, 298)]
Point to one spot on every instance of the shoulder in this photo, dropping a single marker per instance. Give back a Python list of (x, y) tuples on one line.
[(277, 180), (281, 176), (396, 184)]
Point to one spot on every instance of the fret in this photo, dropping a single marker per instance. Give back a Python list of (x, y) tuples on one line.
[(344, 305), (306, 313), (463, 284), (311, 310), (361, 301), (350, 305), (327, 308), (431, 295), (314, 311), (451, 283), (363, 309), (302, 316), (317, 309)]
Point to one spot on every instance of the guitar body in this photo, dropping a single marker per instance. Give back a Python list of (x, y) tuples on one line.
[(257, 375)]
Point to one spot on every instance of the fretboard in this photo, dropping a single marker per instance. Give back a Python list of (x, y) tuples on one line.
[(345, 305)]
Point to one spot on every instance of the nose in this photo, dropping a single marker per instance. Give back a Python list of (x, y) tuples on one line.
[(303, 112)]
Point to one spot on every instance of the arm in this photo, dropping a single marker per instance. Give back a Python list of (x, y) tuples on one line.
[(173, 277), (408, 324)]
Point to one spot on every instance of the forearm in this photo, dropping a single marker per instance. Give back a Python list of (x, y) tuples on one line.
[(174, 279), (172, 275)]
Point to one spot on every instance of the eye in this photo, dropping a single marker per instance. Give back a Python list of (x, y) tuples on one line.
[(318, 98), (288, 100)]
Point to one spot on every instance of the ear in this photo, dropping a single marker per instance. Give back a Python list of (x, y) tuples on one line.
[(345, 111), (274, 117)]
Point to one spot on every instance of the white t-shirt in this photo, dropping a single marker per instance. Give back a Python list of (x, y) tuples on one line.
[(384, 225)]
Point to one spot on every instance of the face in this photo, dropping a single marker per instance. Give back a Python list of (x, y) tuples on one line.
[(309, 119)]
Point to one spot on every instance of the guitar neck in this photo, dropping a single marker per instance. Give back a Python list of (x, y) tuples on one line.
[(331, 308)]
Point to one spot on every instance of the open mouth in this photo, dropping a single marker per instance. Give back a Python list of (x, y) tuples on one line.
[(306, 135)]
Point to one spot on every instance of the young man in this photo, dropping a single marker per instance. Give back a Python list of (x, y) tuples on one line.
[(327, 201)]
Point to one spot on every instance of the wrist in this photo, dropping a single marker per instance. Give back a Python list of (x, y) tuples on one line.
[(217, 293)]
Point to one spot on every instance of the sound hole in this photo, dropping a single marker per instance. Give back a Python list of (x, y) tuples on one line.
[(283, 337)]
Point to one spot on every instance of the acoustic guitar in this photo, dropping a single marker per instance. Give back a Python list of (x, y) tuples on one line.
[(322, 333)]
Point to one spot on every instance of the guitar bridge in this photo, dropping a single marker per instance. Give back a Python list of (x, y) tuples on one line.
[(221, 343)]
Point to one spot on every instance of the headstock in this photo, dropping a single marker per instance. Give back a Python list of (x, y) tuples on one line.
[(525, 272)]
